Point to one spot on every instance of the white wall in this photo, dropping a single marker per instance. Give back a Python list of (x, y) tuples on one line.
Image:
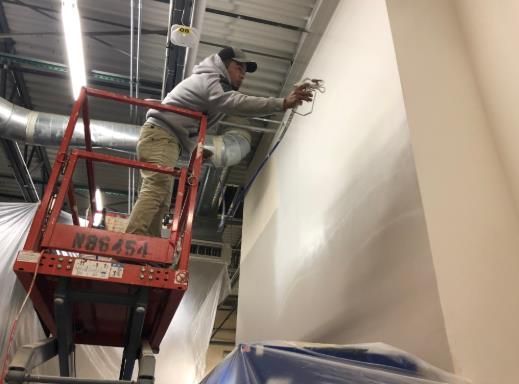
[(335, 246), (455, 114), (490, 31)]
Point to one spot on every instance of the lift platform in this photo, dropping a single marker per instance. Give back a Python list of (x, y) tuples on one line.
[(98, 287)]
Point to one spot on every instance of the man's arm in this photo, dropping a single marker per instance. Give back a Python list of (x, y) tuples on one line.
[(223, 99)]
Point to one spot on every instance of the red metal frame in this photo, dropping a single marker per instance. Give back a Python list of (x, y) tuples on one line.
[(132, 253)]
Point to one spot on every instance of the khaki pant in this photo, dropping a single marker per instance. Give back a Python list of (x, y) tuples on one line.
[(155, 146)]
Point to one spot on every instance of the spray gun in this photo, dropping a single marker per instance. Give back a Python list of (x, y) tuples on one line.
[(313, 85)]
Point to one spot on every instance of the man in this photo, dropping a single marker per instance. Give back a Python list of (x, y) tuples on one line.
[(212, 89)]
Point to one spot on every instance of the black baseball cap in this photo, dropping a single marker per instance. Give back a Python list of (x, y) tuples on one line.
[(238, 55)]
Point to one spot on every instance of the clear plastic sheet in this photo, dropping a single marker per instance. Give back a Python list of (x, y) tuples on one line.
[(185, 344), (291, 363), (15, 221), (184, 347)]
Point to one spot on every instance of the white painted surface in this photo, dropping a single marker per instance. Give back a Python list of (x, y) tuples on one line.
[(469, 205), (490, 30), (335, 243)]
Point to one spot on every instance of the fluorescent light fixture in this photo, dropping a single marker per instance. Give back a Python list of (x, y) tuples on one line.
[(74, 44), (99, 200), (98, 215)]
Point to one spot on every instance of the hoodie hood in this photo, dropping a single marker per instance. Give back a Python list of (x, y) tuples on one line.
[(212, 64)]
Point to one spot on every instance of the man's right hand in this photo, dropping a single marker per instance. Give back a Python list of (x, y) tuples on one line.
[(297, 96)]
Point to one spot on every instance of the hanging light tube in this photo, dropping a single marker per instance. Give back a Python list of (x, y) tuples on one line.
[(99, 200), (98, 214), (74, 44)]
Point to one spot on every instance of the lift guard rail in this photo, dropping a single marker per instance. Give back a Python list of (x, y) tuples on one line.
[(128, 296)]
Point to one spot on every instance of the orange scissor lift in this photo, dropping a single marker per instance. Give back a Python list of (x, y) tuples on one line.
[(97, 287)]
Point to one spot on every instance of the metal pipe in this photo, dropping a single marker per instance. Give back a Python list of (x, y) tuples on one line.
[(248, 127), (181, 52), (185, 57), (219, 188), (47, 129), (175, 63), (137, 60), (132, 107), (196, 22), (132, 5), (168, 43), (266, 120), (137, 86)]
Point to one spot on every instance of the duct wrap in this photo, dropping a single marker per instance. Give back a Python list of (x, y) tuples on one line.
[(230, 148), (47, 129)]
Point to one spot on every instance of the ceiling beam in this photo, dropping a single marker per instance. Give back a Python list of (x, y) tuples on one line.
[(91, 80), (58, 70), (10, 35), (94, 35), (240, 16), (277, 57), (40, 9), (254, 19), (47, 13)]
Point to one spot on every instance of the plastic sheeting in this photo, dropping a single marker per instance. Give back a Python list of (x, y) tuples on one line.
[(15, 220), (183, 349), (291, 363)]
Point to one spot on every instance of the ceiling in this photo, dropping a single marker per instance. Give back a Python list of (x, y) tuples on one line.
[(279, 34)]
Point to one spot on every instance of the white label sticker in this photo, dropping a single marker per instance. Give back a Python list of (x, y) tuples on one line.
[(91, 268), (28, 256), (117, 271)]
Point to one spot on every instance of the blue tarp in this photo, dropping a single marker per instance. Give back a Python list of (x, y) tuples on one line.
[(293, 363)]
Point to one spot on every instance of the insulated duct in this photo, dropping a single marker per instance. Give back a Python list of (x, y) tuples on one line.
[(47, 129), (229, 148)]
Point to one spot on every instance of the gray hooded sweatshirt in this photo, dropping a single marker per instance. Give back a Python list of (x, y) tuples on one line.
[(208, 90)]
